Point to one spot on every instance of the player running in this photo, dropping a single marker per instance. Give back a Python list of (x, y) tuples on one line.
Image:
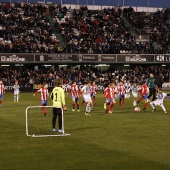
[(159, 101), (109, 93), (75, 96), (93, 89), (128, 88), (2, 91), (121, 94), (143, 91), (16, 91), (134, 89), (87, 97), (44, 94)]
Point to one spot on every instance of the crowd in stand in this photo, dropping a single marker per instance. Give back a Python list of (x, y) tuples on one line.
[(29, 76), (37, 28)]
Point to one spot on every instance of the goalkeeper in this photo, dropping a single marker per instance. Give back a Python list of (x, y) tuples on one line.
[(58, 99)]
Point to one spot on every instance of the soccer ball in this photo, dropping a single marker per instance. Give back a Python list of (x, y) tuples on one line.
[(137, 109)]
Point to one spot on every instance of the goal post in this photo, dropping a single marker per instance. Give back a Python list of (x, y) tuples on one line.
[(38, 125)]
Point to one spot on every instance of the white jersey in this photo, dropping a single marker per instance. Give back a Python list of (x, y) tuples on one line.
[(86, 91), (127, 87), (161, 97), (16, 88), (135, 89)]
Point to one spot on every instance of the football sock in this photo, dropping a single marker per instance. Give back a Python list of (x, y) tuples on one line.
[(94, 99), (17, 97), (77, 106), (145, 104), (141, 99), (88, 108), (120, 100), (14, 98), (163, 107), (44, 110), (111, 106)]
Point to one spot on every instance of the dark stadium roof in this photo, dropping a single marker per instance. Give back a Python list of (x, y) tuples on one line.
[(142, 3)]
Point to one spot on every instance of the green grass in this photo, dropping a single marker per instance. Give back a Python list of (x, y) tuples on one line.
[(122, 140)]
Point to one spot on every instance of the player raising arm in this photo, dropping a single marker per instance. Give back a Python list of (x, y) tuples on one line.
[(44, 94), (16, 91), (58, 99), (2, 91), (159, 101)]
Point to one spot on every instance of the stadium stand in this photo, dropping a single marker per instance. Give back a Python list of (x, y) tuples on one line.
[(39, 28), (27, 76)]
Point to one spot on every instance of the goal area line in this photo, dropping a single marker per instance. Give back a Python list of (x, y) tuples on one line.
[(38, 125)]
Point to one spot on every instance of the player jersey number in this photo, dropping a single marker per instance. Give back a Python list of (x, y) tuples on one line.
[(56, 96)]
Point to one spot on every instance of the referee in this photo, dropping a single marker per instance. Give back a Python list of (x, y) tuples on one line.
[(58, 98), (151, 83)]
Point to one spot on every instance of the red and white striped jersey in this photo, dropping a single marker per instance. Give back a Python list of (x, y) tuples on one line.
[(74, 91), (44, 93), (93, 89), (143, 89), (121, 89), (109, 93), (2, 89)]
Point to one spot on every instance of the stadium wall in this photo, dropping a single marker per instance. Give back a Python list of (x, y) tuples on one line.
[(12, 58)]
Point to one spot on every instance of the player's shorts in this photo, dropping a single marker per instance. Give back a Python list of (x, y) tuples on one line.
[(93, 95), (1, 96), (145, 97), (135, 95), (110, 100), (44, 102), (121, 96), (127, 90), (157, 103), (127, 95), (16, 91), (87, 99), (76, 98)]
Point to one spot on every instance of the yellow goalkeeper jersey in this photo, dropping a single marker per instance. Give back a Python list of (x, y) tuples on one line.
[(58, 97)]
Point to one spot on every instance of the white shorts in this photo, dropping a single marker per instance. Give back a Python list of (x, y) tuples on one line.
[(135, 95), (87, 99), (127, 90), (16, 92), (157, 103)]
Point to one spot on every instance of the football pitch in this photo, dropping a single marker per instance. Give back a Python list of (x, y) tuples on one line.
[(124, 140)]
